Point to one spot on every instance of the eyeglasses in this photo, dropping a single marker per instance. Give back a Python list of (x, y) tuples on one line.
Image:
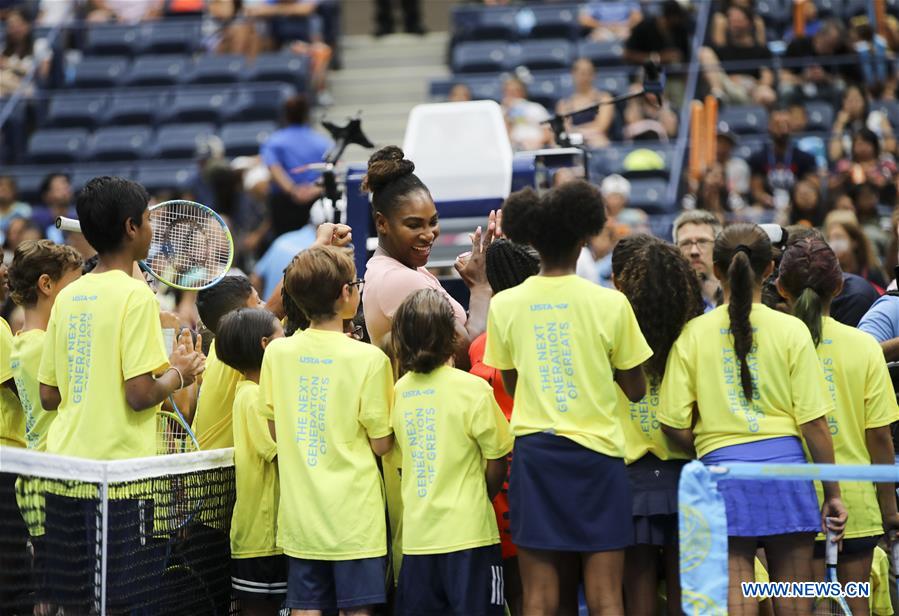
[(359, 282), (701, 244)]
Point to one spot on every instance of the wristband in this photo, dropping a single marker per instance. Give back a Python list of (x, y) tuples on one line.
[(180, 376)]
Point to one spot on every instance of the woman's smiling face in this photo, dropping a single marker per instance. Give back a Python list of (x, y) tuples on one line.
[(409, 231)]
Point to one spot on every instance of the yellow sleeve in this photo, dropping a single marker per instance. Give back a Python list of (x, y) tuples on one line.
[(257, 428), (497, 353), (46, 373), (6, 343), (880, 400), (629, 349), (488, 426), (880, 602), (143, 347), (678, 394), (266, 395), (811, 399), (377, 399)]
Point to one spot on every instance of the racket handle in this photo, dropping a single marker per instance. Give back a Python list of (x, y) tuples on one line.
[(831, 549), (68, 224), (894, 551)]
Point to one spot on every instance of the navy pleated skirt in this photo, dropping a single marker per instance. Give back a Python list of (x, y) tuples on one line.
[(654, 484)]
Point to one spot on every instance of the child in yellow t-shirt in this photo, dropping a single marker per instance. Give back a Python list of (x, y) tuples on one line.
[(864, 404), (330, 398), (12, 419), (258, 565), (40, 270), (454, 440)]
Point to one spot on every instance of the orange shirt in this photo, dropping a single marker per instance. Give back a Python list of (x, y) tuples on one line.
[(489, 374)]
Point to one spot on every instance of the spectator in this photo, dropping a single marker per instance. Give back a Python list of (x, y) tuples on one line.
[(595, 261), (645, 119), (459, 93), (593, 126), (10, 208), (269, 270), (610, 20), (411, 15), (810, 144), (855, 114), (866, 166), (750, 80), (235, 32), (663, 39), (56, 199), (853, 248), (817, 80), (524, 118), (891, 261), (20, 53), (778, 165), (719, 24), (713, 195), (19, 230), (866, 202), (736, 170), (882, 322), (806, 205), (124, 11), (694, 234), (287, 152)]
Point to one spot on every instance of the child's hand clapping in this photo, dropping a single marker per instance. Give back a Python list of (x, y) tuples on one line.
[(188, 357)]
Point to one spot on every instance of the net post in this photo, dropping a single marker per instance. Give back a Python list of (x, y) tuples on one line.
[(104, 537)]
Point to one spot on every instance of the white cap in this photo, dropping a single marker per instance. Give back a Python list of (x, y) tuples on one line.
[(615, 185)]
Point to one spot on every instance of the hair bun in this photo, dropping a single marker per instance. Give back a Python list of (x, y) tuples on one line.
[(385, 166)]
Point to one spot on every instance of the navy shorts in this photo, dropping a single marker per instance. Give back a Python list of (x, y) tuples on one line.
[(857, 545), (466, 583), (264, 577), (336, 584)]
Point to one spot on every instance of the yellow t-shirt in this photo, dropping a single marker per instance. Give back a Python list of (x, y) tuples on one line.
[(880, 603), (12, 419), (859, 384), (565, 336), (328, 395), (642, 430), (26, 360), (447, 424), (789, 382), (212, 421), (254, 521), (104, 329)]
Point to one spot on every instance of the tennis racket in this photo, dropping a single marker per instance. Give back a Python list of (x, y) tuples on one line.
[(173, 434), (833, 605), (191, 250)]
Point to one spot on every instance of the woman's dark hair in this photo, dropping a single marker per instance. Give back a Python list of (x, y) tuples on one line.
[(296, 110), (238, 342), (864, 95), (509, 264), (104, 205), (866, 134), (558, 222), (743, 251), (423, 332), (296, 320), (816, 216), (25, 47), (810, 272), (390, 179), (663, 290)]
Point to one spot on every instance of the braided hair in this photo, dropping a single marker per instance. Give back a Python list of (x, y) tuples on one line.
[(810, 272), (509, 264)]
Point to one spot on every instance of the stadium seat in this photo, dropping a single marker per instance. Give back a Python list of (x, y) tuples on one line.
[(106, 40), (166, 175), (552, 22), (99, 72), (774, 12), (254, 102), (820, 116), (602, 53), (244, 138), (891, 108), (29, 179), (547, 54), (85, 172), (215, 69), (180, 140), (133, 108), (204, 104), (67, 110), (155, 71), (121, 143), (829, 8), (745, 119), (547, 90), (282, 68), (613, 83), (747, 147), (649, 196), (170, 36), (57, 145), (494, 24), (481, 57)]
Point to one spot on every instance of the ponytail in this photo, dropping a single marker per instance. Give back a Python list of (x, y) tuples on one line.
[(809, 308), (741, 281)]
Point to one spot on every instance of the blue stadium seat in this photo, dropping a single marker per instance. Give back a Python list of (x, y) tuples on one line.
[(547, 54), (494, 24), (254, 102), (166, 175), (244, 138), (57, 145), (156, 71), (280, 67), (891, 108), (820, 116), (29, 179), (649, 196), (548, 89), (552, 22), (133, 108), (602, 53), (745, 119), (171, 36), (829, 8), (607, 160), (99, 72), (613, 83), (211, 68), (72, 110), (121, 143), (774, 12), (109, 40), (852, 8), (749, 146), (84, 172), (180, 140), (486, 89), (204, 104), (481, 57)]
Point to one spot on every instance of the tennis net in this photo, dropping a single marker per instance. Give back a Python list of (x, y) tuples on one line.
[(141, 536)]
